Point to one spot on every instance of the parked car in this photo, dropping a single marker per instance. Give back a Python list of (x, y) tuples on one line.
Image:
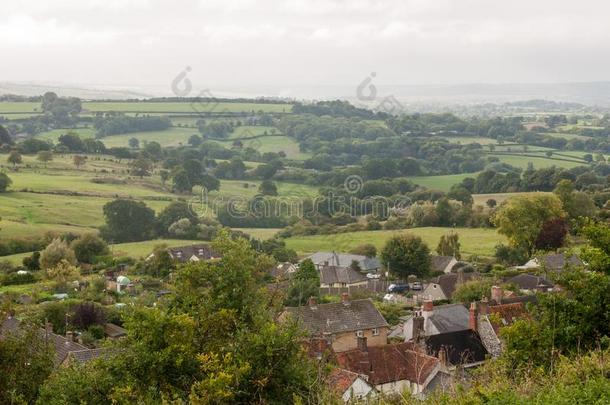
[(416, 286), (373, 275), (398, 288)]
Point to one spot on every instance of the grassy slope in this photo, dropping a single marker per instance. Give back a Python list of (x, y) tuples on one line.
[(474, 241), (442, 183), (184, 107), (174, 136)]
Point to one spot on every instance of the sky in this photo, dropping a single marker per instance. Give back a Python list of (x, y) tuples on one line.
[(304, 42)]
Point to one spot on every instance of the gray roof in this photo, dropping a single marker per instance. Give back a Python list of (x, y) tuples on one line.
[(345, 260), (557, 261), (336, 274), (83, 356), (338, 317), (450, 318), (439, 263), (530, 282), (449, 282)]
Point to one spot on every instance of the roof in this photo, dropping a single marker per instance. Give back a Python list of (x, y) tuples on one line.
[(530, 282), (448, 282), (440, 263), (338, 317), (201, 251), (339, 380), (337, 274), (388, 363), (283, 271), (507, 313), (114, 331), (461, 347), (518, 298), (83, 356), (449, 318), (557, 261), (345, 260)]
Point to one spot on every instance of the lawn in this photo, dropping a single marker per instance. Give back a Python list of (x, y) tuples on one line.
[(277, 143), (474, 241), (53, 135), (246, 131), (16, 107), (464, 140), (259, 233), (538, 161)]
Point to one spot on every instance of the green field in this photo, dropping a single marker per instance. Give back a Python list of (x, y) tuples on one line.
[(481, 199), (174, 136), (474, 241), (538, 161), (442, 183), (464, 140), (53, 135), (246, 131), (272, 144)]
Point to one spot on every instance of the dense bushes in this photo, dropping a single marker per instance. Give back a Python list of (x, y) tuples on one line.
[(123, 124)]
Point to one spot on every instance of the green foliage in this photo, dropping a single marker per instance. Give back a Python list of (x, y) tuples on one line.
[(597, 253), (449, 245), (55, 252), (5, 182), (406, 254), (88, 247), (267, 187), (128, 221), (366, 249), (471, 291)]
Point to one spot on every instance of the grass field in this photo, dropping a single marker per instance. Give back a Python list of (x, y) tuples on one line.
[(272, 144), (175, 136), (53, 135), (245, 131), (481, 199), (474, 241), (538, 161), (442, 183), (466, 140)]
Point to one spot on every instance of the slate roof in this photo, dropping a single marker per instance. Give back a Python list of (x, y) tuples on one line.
[(462, 347), (367, 264), (439, 263), (388, 363), (83, 356), (449, 318), (530, 282), (335, 274), (557, 261), (448, 282), (114, 331), (283, 271), (338, 317), (201, 251)]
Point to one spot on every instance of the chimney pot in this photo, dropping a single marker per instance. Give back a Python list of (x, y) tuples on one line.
[(70, 335), (472, 320), (345, 298), (312, 302), (428, 305)]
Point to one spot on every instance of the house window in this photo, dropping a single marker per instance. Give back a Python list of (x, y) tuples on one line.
[(178, 254), (375, 332), (359, 333), (200, 252)]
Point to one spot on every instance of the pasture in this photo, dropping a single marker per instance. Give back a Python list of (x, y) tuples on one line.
[(474, 241)]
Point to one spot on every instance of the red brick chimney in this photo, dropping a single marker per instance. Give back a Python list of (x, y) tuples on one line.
[(472, 320), (345, 298), (484, 306), (418, 327), (428, 306), (497, 293)]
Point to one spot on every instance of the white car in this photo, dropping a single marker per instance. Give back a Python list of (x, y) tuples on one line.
[(373, 275)]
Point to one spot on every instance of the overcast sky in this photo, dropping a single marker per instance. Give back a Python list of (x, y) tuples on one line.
[(304, 42)]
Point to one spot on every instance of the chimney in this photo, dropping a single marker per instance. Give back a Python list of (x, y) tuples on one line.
[(497, 293), (428, 305), (345, 298), (362, 344), (472, 320), (312, 302), (484, 306), (418, 326), (70, 335)]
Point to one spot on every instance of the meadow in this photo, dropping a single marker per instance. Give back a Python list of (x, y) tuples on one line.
[(474, 241)]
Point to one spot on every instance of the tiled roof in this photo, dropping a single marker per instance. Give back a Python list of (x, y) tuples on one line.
[(461, 347), (530, 282), (439, 263), (339, 380), (335, 274), (283, 271), (557, 261), (62, 346), (345, 259), (448, 282), (114, 331), (338, 317), (388, 363), (449, 318), (83, 356), (184, 253), (507, 313)]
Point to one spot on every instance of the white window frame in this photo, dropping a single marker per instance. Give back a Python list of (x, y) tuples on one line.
[(359, 333), (375, 331)]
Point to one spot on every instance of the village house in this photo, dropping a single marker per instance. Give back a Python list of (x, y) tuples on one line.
[(391, 369), (530, 284), (552, 262), (442, 263), (432, 320), (443, 287), (341, 323), (462, 348), (366, 264), (349, 385), (338, 277), (191, 253), (283, 271)]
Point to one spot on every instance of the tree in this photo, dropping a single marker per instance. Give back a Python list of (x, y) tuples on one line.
[(88, 247), (406, 254), (195, 140), (32, 262), (552, 234), (26, 360), (449, 245), (491, 203), (267, 187), (181, 181), (14, 158), (367, 250), (56, 252), (5, 137), (79, 160), (472, 291), (305, 284), (510, 256), (210, 182), (128, 221), (576, 204), (63, 272), (45, 156), (141, 167), (460, 193), (521, 218), (164, 174), (5, 182), (597, 252), (134, 143)]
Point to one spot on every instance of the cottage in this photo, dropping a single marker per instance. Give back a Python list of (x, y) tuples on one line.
[(463, 348), (443, 263), (192, 253), (553, 262), (114, 331), (283, 271), (391, 369), (433, 320), (349, 385), (341, 323), (529, 283), (366, 264), (341, 277), (443, 287)]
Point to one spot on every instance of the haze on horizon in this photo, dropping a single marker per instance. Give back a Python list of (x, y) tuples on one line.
[(304, 42)]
